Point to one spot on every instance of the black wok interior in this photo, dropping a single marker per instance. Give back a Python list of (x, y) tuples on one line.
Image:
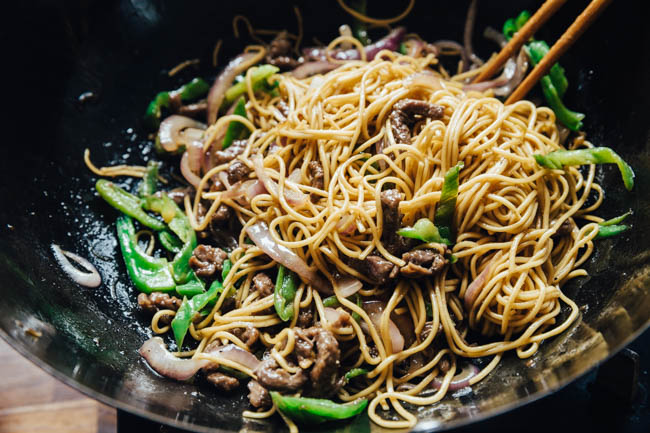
[(121, 50)]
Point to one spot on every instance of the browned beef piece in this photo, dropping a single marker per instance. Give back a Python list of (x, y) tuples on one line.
[(237, 171), (178, 194), (280, 52), (320, 345), (305, 318), (156, 301), (376, 268), (565, 228), (207, 260), (394, 243), (317, 178), (258, 396), (249, 335), (263, 284), (221, 215), (420, 263), (408, 111), (271, 376), (223, 382), (195, 110), (231, 152)]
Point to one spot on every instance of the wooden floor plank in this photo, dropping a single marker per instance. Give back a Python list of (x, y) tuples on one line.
[(33, 401)]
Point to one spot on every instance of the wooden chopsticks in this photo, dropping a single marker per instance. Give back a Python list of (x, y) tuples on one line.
[(546, 11)]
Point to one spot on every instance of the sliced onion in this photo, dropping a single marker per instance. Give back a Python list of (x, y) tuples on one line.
[(164, 363), (170, 130), (375, 310), (423, 79), (475, 287), (467, 36), (260, 235), (346, 225), (295, 176), (223, 82), (308, 69), (86, 279), (495, 35), (520, 71), (223, 178), (195, 155), (236, 354), (348, 286), (454, 46), (294, 197), (187, 173), (389, 42), (337, 318), (459, 381)]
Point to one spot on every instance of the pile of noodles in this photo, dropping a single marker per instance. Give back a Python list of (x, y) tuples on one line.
[(507, 282)]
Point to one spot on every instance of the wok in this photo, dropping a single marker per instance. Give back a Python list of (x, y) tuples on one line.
[(120, 51)]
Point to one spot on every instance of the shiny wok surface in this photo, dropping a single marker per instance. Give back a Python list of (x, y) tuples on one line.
[(120, 51)]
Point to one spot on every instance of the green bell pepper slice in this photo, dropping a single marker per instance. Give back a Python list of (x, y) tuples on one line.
[(192, 90), (236, 129), (148, 274), (444, 216), (594, 155), (424, 230), (190, 307), (127, 203), (286, 285), (259, 76), (149, 181), (316, 410)]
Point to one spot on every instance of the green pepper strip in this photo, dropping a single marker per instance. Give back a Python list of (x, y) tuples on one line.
[(148, 185), (316, 410), (235, 129), (169, 242), (359, 28), (354, 373), (616, 220), (192, 90), (149, 274), (444, 216), (194, 286), (609, 228), (537, 50), (180, 225), (425, 231), (227, 266), (595, 155), (609, 231), (259, 76), (285, 291), (190, 307), (126, 203), (570, 119)]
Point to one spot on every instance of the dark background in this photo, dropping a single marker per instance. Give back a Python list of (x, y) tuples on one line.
[(54, 51)]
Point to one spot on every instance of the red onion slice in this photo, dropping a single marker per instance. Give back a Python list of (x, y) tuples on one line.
[(423, 79), (389, 42), (170, 130), (308, 69), (459, 381), (86, 279), (475, 287), (260, 235), (236, 354), (375, 309), (164, 363), (194, 155), (223, 82), (348, 286), (293, 197), (187, 173)]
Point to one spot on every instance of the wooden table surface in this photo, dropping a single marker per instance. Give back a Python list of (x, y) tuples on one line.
[(33, 401)]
